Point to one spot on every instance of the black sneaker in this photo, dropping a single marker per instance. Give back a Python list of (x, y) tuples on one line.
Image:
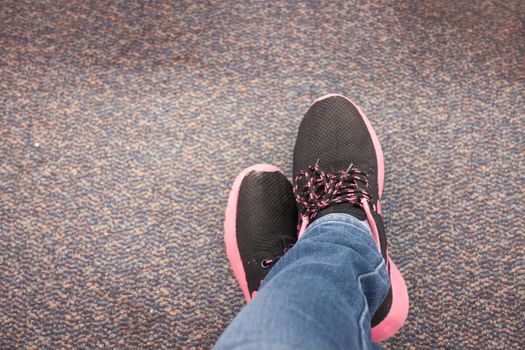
[(338, 166), (260, 224)]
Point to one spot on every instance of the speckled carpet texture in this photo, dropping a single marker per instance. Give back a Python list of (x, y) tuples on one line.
[(123, 125)]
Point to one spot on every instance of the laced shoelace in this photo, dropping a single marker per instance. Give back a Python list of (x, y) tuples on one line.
[(315, 189)]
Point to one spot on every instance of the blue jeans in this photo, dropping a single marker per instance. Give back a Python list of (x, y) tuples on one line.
[(319, 295)]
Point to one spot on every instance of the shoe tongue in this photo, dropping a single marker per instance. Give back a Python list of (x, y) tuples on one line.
[(343, 208)]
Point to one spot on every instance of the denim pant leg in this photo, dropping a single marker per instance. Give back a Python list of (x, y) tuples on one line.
[(319, 295)]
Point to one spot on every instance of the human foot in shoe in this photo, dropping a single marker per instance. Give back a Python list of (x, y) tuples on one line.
[(338, 167), (260, 224)]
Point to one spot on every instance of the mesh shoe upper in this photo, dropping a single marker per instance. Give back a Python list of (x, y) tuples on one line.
[(266, 223), (334, 135), (333, 132)]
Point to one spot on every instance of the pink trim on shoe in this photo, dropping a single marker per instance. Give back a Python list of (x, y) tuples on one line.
[(305, 221), (230, 232), (371, 223), (398, 312)]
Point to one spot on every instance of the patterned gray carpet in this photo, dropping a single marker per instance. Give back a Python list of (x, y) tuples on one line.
[(122, 126)]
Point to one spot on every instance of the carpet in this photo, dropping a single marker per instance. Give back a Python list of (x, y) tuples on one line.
[(123, 125)]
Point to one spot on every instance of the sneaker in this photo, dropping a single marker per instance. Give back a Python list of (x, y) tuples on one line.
[(260, 224), (338, 163)]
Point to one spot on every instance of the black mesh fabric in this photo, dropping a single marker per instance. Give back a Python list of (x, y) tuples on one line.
[(266, 222), (381, 231), (334, 133), (383, 309)]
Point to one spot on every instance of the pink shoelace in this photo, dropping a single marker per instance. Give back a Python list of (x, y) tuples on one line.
[(315, 190)]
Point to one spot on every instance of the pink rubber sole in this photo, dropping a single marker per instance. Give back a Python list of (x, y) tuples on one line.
[(230, 232), (399, 310)]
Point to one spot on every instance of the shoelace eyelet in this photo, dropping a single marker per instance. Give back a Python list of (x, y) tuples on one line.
[(266, 263)]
